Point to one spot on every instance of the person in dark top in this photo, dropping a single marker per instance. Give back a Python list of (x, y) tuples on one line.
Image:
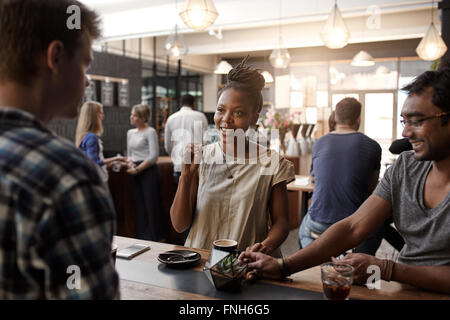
[(56, 219), (345, 167), (400, 145), (87, 137), (391, 235), (415, 192)]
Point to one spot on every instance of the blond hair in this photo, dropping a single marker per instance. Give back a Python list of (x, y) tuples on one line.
[(142, 111), (88, 121)]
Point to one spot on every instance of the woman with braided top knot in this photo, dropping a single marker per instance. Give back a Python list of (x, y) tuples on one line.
[(234, 188)]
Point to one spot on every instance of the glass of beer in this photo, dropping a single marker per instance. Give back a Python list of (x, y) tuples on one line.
[(337, 280)]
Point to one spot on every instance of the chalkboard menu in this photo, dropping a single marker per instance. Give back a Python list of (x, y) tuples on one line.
[(124, 96), (107, 94), (90, 93)]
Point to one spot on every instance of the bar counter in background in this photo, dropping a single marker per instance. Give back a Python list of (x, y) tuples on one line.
[(121, 191)]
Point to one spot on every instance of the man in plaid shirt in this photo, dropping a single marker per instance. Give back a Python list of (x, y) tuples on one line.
[(56, 218)]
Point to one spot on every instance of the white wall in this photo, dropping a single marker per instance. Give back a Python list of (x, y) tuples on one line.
[(210, 85)]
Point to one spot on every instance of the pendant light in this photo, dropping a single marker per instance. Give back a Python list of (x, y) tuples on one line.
[(198, 14), (362, 59), (280, 57), (175, 47), (223, 67), (431, 47), (335, 34)]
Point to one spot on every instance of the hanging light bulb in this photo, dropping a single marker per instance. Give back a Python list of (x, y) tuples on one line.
[(431, 47), (362, 59), (169, 42), (223, 67), (198, 14), (174, 45), (280, 58), (335, 33)]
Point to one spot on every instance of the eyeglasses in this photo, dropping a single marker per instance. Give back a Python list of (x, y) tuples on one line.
[(418, 123)]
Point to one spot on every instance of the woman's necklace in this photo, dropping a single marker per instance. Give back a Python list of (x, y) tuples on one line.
[(230, 175)]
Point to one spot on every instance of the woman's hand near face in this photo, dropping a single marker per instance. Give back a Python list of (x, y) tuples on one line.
[(191, 159)]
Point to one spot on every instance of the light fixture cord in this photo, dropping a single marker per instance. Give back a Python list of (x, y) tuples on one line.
[(176, 24), (334, 15), (432, 7), (279, 27)]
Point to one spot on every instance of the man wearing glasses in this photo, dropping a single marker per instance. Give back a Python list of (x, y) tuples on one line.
[(415, 191)]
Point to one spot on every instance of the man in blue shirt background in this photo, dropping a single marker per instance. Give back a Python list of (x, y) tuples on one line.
[(345, 167)]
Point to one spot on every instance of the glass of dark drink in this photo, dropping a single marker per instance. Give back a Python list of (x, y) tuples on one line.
[(337, 280)]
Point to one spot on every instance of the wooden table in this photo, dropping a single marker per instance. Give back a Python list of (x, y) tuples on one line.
[(304, 281), (305, 190)]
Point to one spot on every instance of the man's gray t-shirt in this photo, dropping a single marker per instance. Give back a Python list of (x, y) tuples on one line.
[(426, 231)]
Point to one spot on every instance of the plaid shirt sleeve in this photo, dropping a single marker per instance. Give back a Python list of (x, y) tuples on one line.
[(75, 245)]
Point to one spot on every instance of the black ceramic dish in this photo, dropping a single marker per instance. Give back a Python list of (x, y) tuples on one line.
[(179, 258)]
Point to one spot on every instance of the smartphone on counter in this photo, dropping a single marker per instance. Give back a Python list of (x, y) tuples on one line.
[(132, 251)]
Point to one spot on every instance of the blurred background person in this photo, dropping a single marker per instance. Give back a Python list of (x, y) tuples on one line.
[(184, 126), (400, 145), (143, 152), (87, 137), (345, 166)]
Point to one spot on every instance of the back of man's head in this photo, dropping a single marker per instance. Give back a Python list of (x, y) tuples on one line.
[(440, 82), (187, 100), (27, 27), (332, 121), (347, 111)]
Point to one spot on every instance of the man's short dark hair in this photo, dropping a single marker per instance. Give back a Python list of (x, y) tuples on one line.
[(439, 80), (332, 121), (347, 111), (187, 100), (27, 27)]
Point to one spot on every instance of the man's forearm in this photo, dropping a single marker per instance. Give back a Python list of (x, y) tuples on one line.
[(343, 235), (329, 244), (434, 278)]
